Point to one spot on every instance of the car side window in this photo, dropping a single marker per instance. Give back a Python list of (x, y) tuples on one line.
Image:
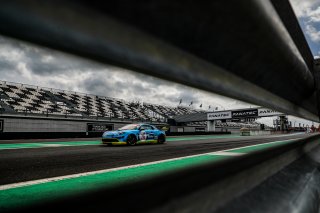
[(145, 127)]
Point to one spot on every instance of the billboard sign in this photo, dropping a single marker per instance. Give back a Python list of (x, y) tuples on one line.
[(99, 127), (245, 113), (262, 112), (200, 129), (242, 115), (219, 115)]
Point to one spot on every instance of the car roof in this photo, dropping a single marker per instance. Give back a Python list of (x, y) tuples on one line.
[(147, 124)]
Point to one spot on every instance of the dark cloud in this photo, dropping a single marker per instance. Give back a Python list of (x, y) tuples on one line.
[(43, 61), (48, 64), (6, 65), (44, 67), (109, 85), (186, 97), (102, 86)]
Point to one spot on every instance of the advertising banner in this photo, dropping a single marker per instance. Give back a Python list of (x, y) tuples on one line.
[(219, 115), (262, 112), (245, 113), (200, 129), (99, 127), (242, 115)]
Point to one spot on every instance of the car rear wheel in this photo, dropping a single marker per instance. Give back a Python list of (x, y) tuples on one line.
[(161, 139), (131, 140)]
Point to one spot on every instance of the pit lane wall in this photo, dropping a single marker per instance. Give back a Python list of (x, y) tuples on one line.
[(33, 127), (15, 127), (198, 130)]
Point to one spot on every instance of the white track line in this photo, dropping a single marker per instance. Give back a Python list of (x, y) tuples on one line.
[(46, 180), (227, 153)]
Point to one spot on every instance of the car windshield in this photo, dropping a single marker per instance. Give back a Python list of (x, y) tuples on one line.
[(129, 127)]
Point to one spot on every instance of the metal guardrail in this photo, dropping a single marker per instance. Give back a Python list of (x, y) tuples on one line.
[(249, 50), (241, 50)]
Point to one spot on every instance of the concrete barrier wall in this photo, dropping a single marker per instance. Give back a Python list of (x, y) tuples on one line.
[(34, 125), (185, 128), (49, 125), (260, 132)]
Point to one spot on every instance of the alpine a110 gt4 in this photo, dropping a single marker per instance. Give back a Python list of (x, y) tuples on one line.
[(133, 134)]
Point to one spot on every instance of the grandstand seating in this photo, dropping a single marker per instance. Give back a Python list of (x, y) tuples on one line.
[(20, 98)]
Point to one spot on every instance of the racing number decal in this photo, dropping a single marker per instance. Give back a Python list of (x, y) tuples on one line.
[(143, 136), (146, 135)]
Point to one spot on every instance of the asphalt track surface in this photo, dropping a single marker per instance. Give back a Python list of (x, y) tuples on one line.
[(26, 164)]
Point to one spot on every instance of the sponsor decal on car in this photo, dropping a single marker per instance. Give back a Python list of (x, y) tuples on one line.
[(143, 136)]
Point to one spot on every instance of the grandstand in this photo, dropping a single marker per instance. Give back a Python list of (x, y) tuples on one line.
[(21, 99), (27, 99)]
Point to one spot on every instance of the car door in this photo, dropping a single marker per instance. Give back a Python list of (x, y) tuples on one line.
[(146, 133), (150, 133), (143, 133)]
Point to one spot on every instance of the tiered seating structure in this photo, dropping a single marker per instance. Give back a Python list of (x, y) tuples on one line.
[(20, 98)]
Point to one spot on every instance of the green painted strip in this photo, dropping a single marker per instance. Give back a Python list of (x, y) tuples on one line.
[(97, 142), (261, 146), (20, 146), (47, 144), (27, 195)]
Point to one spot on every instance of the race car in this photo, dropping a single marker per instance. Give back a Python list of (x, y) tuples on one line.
[(133, 134)]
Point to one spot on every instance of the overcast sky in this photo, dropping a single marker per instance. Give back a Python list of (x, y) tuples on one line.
[(308, 13), (29, 64)]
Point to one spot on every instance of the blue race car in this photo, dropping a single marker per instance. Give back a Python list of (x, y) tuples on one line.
[(133, 134)]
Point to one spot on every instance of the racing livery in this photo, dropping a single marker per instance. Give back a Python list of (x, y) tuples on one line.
[(133, 134)]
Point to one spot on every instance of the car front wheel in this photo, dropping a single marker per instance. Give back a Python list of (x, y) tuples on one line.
[(131, 140), (161, 139)]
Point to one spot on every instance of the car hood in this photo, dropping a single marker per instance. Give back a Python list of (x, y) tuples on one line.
[(116, 132), (111, 132)]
